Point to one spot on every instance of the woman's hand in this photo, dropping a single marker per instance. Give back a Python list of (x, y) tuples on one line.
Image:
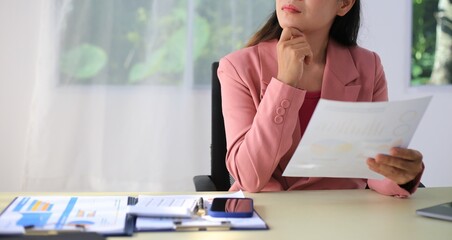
[(401, 165), (293, 52)]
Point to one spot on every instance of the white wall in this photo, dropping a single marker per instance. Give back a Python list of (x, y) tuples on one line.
[(386, 30)]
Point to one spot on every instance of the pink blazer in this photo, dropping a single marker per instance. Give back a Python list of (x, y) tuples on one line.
[(261, 115)]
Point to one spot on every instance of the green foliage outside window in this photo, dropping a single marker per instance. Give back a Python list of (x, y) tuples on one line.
[(116, 42), (423, 40)]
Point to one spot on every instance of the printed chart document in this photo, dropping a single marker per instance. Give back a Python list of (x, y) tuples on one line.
[(102, 214), (342, 135)]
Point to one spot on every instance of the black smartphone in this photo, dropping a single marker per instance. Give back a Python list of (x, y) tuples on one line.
[(231, 207)]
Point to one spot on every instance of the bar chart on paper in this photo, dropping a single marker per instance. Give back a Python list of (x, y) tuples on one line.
[(37, 205)]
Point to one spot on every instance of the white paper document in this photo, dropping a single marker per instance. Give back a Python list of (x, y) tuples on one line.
[(342, 135), (164, 206)]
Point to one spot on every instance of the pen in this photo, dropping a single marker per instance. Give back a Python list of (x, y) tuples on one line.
[(200, 203), (200, 211)]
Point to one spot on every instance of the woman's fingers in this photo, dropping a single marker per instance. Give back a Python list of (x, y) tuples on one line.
[(401, 166), (293, 52), (285, 35)]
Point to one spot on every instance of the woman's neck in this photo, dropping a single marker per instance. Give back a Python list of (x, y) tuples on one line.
[(319, 44)]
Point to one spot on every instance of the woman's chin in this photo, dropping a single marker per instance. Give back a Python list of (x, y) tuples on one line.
[(296, 31)]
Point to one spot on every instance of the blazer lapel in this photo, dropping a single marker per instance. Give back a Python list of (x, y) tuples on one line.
[(340, 74)]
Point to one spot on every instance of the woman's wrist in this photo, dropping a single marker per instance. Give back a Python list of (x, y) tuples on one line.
[(409, 186)]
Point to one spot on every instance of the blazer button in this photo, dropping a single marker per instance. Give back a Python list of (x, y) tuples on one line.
[(285, 103), (279, 119), (280, 111)]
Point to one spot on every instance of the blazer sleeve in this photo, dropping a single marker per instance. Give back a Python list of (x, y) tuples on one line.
[(258, 131), (387, 186)]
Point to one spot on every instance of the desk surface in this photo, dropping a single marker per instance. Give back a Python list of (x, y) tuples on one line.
[(328, 214)]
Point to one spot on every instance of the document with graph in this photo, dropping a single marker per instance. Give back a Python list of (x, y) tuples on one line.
[(107, 215), (342, 135)]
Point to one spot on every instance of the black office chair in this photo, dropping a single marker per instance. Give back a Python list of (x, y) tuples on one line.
[(219, 178)]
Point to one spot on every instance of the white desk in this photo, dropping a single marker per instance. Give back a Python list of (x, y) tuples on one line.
[(329, 214)]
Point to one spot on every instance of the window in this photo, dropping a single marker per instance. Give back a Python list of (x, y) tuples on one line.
[(151, 42)]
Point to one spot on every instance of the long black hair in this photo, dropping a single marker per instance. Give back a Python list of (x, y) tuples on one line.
[(344, 29)]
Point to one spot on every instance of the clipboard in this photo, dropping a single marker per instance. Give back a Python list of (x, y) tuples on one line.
[(198, 220), (146, 224), (54, 215)]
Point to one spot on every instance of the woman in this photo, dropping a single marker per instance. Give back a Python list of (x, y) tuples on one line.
[(306, 51)]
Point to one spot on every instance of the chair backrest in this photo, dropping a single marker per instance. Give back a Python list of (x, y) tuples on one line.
[(219, 174)]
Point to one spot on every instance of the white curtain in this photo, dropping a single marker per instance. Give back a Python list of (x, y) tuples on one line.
[(145, 127)]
